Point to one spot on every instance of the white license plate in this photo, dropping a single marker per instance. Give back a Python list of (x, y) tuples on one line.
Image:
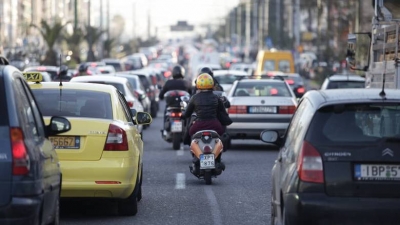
[(376, 172), (176, 126), (262, 109), (207, 161)]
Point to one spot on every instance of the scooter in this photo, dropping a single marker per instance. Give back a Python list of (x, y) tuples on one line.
[(206, 148), (174, 123)]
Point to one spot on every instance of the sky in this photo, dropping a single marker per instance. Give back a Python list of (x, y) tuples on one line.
[(167, 12)]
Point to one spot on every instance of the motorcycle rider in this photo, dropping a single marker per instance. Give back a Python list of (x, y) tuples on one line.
[(177, 83), (206, 105), (208, 70)]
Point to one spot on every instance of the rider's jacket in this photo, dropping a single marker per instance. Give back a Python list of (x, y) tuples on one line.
[(176, 84), (205, 104)]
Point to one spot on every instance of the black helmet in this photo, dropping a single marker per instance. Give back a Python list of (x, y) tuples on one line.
[(178, 72), (206, 70)]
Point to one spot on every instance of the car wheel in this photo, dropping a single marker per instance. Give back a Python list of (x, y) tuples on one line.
[(274, 220), (56, 215), (284, 217), (139, 196), (128, 207)]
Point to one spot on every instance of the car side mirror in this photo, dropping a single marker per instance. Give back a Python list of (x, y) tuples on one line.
[(58, 125), (143, 118), (269, 136)]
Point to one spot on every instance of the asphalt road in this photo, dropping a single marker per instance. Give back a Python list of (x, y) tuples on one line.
[(172, 195)]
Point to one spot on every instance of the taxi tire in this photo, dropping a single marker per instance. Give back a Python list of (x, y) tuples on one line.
[(129, 206), (139, 195)]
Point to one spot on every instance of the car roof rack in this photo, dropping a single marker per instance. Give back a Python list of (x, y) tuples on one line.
[(263, 77)]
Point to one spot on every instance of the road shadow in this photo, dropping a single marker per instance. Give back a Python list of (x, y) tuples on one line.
[(243, 145)]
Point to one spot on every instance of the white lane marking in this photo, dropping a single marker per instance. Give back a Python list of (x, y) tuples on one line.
[(180, 152), (216, 213), (180, 181)]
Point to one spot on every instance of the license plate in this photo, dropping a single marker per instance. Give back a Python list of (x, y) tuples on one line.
[(63, 142), (207, 161), (262, 109), (377, 172), (176, 126)]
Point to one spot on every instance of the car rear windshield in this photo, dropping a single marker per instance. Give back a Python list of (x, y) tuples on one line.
[(116, 65), (74, 103), (255, 89), (227, 79), (118, 86), (3, 105), (355, 123), (346, 84)]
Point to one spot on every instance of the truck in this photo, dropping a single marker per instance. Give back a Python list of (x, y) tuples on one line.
[(383, 55)]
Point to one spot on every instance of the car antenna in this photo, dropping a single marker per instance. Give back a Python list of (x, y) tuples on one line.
[(382, 93), (60, 72)]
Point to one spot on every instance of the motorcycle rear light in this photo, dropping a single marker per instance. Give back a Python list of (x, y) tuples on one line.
[(237, 109), (20, 163), (116, 139), (287, 109), (207, 149), (309, 165), (176, 114), (206, 133)]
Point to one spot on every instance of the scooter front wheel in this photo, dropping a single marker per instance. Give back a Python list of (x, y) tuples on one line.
[(207, 177)]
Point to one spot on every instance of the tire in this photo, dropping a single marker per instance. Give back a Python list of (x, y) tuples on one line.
[(273, 214), (153, 111), (284, 219), (176, 141), (128, 207), (56, 215), (207, 177)]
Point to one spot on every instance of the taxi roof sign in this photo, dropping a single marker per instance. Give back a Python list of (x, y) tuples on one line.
[(33, 76)]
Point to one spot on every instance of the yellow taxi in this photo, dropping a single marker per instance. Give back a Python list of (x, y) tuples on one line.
[(101, 156)]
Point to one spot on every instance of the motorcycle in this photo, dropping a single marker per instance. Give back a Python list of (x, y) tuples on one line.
[(174, 123), (206, 148)]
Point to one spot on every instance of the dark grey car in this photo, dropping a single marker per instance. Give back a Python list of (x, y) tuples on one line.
[(30, 176)]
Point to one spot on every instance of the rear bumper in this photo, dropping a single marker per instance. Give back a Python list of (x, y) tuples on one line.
[(319, 209), (79, 178), (252, 130), (21, 211)]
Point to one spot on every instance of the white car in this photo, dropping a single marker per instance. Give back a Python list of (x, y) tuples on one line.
[(121, 83), (226, 78), (259, 104), (248, 68), (106, 70)]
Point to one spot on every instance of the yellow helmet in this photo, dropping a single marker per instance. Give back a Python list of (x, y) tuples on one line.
[(204, 81)]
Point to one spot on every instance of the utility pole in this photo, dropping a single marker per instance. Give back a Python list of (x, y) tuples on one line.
[(89, 12), (248, 30), (101, 49), (278, 21), (134, 20), (108, 19), (239, 26), (76, 14), (148, 24), (296, 22), (260, 23)]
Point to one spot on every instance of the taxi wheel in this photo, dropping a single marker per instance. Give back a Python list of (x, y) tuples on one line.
[(139, 196), (128, 207)]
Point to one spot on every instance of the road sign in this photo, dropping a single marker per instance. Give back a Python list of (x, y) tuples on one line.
[(182, 26)]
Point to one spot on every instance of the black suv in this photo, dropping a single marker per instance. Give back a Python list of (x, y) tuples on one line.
[(30, 173)]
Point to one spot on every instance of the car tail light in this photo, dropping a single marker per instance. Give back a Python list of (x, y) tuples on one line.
[(154, 80), (290, 81), (227, 64), (287, 109), (301, 90), (19, 153), (237, 109), (176, 114), (130, 104), (116, 139), (89, 72), (309, 165), (136, 94), (167, 74)]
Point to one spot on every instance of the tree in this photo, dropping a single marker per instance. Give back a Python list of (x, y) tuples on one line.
[(92, 36), (73, 41), (50, 34), (108, 46)]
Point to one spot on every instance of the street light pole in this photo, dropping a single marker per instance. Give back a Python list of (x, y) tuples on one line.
[(89, 13)]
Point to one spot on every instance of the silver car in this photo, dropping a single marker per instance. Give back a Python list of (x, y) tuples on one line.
[(259, 104)]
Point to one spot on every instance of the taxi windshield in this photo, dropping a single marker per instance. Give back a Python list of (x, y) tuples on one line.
[(74, 103)]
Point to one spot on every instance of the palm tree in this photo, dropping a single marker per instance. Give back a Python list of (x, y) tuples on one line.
[(74, 40), (50, 34), (92, 36), (107, 46)]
